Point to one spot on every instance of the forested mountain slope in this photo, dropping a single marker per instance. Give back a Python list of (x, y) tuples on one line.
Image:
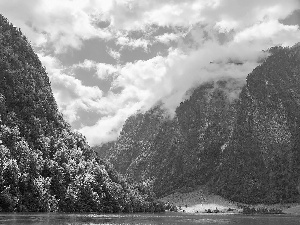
[(44, 166), (245, 148), (262, 160), (184, 150)]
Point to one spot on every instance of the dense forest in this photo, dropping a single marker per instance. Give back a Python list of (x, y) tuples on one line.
[(241, 139), (44, 166)]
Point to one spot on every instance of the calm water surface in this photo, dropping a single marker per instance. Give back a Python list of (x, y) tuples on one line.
[(153, 219)]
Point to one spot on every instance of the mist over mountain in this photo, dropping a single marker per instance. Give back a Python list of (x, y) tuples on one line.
[(44, 166), (182, 151), (240, 139)]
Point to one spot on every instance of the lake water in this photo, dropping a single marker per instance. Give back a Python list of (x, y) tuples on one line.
[(150, 219)]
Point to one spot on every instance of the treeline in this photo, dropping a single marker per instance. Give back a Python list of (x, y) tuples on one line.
[(44, 166)]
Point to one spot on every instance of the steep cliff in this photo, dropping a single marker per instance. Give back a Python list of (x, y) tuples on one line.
[(245, 147), (44, 166)]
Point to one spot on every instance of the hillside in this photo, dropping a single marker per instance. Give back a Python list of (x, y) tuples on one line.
[(183, 151), (44, 166), (262, 160), (242, 140)]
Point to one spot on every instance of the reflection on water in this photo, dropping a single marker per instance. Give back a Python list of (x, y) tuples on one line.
[(149, 219)]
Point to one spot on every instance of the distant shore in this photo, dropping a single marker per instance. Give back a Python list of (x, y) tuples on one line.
[(200, 200)]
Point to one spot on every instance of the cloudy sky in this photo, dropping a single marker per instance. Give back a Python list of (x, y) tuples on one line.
[(108, 59)]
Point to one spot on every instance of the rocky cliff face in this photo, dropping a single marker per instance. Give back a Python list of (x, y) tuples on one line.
[(44, 166), (245, 148)]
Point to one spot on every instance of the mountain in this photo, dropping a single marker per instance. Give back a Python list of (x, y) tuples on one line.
[(44, 166), (240, 139), (184, 150), (262, 160)]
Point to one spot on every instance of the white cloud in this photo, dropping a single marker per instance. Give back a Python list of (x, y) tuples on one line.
[(219, 32), (144, 83), (168, 37), (61, 24), (70, 94), (168, 79), (115, 54), (272, 31), (109, 125), (64, 24), (227, 14), (103, 70), (138, 13), (125, 41)]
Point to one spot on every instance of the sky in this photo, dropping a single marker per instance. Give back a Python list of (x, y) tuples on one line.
[(109, 59)]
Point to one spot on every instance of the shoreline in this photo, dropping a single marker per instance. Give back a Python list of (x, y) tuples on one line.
[(200, 201)]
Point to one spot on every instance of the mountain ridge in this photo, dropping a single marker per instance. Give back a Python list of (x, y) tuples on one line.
[(177, 139), (245, 149)]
